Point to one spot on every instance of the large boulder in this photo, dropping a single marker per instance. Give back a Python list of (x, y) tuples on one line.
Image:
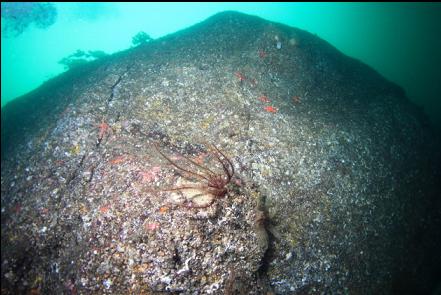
[(333, 189)]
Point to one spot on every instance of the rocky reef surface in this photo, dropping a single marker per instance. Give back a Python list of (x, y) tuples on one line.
[(331, 187)]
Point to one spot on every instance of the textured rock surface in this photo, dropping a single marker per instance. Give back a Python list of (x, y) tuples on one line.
[(334, 188)]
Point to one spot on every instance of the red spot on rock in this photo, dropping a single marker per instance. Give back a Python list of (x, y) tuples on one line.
[(104, 129), (238, 182), (149, 175), (262, 54), (200, 159), (270, 109), (105, 209), (240, 76), (152, 226), (118, 160), (264, 98), (163, 209)]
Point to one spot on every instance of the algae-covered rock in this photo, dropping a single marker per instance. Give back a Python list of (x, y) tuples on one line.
[(333, 191)]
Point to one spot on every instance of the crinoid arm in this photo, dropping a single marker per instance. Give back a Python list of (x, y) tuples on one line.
[(211, 182), (176, 165), (206, 169), (224, 161), (183, 188)]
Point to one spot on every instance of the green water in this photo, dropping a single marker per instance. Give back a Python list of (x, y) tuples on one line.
[(400, 40)]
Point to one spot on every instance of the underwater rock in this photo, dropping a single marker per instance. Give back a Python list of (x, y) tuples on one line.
[(334, 186)]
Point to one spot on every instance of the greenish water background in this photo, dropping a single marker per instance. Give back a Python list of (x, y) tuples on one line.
[(402, 41)]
